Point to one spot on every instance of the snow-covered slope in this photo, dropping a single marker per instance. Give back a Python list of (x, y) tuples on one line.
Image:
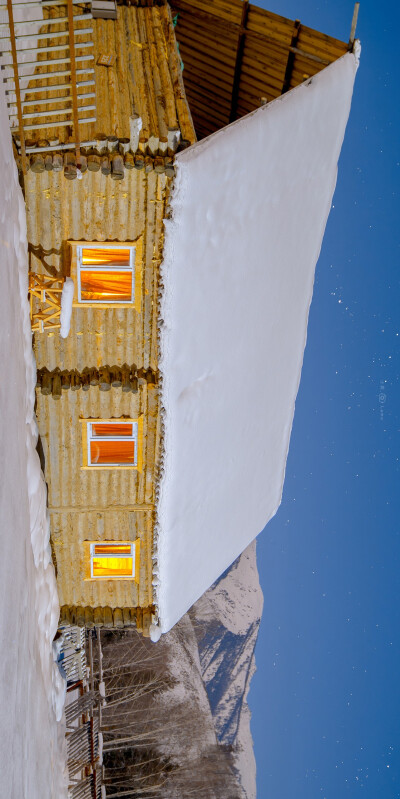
[(249, 210), (32, 757), (211, 662), (226, 621)]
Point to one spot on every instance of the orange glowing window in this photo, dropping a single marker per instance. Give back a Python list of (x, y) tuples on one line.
[(111, 549), (112, 443), (112, 560), (106, 256), (112, 429), (105, 273)]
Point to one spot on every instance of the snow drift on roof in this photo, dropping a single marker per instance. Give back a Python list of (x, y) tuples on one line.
[(249, 211)]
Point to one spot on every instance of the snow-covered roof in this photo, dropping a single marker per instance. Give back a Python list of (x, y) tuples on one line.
[(249, 210)]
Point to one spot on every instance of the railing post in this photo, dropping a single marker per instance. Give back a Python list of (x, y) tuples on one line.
[(73, 77), (16, 84)]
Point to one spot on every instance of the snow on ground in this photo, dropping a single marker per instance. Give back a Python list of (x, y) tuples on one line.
[(32, 743), (249, 211)]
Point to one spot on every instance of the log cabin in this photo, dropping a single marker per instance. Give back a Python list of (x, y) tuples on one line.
[(106, 101)]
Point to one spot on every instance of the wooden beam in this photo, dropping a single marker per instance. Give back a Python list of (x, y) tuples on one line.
[(312, 57), (239, 59), (16, 86), (71, 40), (354, 25), (291, 57)]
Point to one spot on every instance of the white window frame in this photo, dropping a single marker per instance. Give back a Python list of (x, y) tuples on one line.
[(91, 437), (105, 246), (116, 555)]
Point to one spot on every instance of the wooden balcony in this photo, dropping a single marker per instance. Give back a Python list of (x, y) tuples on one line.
[(47, 65)]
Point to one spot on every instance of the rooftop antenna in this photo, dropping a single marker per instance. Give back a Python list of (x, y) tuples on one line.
[(354, 25)]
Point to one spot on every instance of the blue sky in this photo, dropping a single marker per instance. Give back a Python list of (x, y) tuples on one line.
[(325, 699)]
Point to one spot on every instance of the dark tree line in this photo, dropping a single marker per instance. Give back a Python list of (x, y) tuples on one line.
[(157, 742)]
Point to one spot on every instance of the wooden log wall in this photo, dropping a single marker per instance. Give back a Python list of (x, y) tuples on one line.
[(108, 617), (142, 113), (129, 378), (113, 164)]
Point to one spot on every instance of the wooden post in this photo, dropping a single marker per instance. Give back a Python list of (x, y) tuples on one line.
[(65, 380), (239, 59), (56, 386), (100, 668), (91, 662), (291, 57), (125, 378), (46, 382), (85, 379), (129, 161), (71, 41), (354, 25), (116, 377), (141, 376), (104, 378), (16, 86), (94, 377), (57, 162)]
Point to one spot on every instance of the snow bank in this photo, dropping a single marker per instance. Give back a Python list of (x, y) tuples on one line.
[(249, 211), (67, 296), (32, 742)]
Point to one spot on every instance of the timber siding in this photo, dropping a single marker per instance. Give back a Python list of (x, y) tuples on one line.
[(142, 115), (238, 56), (98, 209), (98, 505), (144, 81)]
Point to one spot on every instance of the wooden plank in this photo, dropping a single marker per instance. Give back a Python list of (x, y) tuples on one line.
[(162, 59), (201, 78), (207, 117), (196, 53), (184, 115), (211, 68), (265, 17), (251, 97), (252, 75), (212, 40), (71, 40), (320, 44), (161, 101), (291, 56), (239, 58), (230, 12), (323, 61), (206, 15), (16, 85), (202, 97), (271, 25), (353, 25)]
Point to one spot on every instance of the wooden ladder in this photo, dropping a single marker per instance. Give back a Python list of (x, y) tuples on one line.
[(46, 310), (60, 60)]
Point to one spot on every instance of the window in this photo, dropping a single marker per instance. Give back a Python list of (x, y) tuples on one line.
[(112, 443), (112, 560), (107, 273)]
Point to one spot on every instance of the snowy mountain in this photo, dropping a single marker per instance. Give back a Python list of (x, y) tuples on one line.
[(226, 621)]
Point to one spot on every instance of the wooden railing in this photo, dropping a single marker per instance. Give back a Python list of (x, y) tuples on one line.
[(36, 52)]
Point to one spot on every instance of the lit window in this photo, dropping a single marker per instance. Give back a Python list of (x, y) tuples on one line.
[(105, 273), (112, 443), (112, 560)]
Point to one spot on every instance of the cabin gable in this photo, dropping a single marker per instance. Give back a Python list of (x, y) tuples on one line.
[(101, 119)]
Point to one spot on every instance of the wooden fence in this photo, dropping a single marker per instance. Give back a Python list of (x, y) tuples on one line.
[(82, 715)]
